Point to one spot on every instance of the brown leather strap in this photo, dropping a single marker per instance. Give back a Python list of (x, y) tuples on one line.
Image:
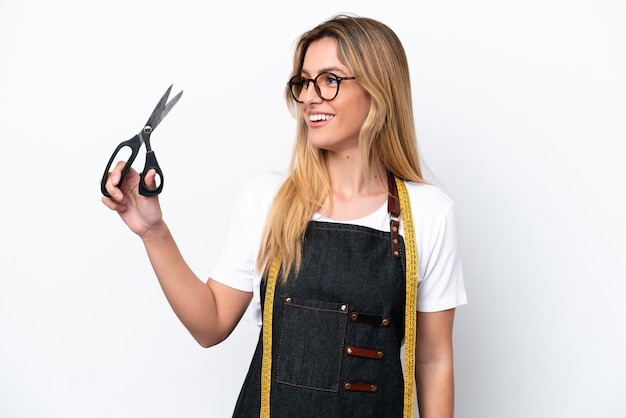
[(374, 320), (360, 387), (393, 207), (365, 352)]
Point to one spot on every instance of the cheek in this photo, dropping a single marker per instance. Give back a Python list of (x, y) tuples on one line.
[(302, 111), (362, 108)]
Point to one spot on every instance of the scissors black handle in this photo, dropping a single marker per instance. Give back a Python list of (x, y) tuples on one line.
[(134, 144), (151, 162)]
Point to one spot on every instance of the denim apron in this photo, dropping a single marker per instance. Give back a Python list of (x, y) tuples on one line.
[(338, 327)]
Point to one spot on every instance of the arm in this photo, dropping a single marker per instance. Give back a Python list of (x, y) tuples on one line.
[(434, 371), (210, 311)]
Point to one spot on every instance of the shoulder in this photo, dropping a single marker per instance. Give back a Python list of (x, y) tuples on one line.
[(428, 201), (259, 191), (267, 181)]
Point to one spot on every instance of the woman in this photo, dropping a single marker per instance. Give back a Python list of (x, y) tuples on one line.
[(328, 253)]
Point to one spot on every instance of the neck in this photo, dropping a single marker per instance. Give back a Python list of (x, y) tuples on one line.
[(354, 193), (348, 179)]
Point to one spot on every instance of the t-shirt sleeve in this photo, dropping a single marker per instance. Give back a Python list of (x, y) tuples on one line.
[(236, 265), (441, 284)]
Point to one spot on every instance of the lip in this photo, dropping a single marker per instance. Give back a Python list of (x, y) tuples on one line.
[(320, 119)]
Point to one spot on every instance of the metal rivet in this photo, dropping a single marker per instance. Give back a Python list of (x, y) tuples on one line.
[(394, 228), (396, 253), (349, 350), (373, 388), (353, 316), (385, 322), (147, 129), (346, 385), (380, 354), (395, 241), (344, 307), (287, 300)]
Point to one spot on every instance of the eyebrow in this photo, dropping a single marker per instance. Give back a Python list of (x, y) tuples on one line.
[(325, 70)]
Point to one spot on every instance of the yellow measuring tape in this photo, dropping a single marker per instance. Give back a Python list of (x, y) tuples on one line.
[(410, 309), (268, 316), (410, 315)]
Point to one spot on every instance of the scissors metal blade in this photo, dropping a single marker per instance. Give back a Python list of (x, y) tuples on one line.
[(162, 109), (167, 109)]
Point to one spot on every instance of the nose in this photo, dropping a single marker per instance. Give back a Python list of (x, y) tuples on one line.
[(309, 94)]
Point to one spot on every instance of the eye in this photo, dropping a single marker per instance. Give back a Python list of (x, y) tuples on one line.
[(328, 79), (298, 82)]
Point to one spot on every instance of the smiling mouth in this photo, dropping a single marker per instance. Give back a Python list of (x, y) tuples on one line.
[(320, 117)]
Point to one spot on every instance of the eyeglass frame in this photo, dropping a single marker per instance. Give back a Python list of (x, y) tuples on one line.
[(291, 83)]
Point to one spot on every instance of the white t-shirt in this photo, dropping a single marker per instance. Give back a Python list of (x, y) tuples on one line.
[(440, 277)]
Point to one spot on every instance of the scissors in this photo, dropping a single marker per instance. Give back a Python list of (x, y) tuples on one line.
[(158, 114)]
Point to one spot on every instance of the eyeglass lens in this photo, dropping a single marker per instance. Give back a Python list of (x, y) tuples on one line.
[(326, 86)]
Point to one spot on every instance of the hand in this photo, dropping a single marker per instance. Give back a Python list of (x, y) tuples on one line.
[(142, 214)]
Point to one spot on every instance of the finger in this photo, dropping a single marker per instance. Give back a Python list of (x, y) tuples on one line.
[(113, 205), (111, 187), (150, 179), (116, 174), (113, 181)]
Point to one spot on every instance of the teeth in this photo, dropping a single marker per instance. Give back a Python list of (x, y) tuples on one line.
[(316, 118)]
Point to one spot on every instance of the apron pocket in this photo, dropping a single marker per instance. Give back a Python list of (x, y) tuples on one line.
[(311, 343)]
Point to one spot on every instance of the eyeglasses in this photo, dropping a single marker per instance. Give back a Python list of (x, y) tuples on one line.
[(326, 85)]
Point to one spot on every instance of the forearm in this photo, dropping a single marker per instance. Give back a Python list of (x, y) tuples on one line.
[(434, 369), (435, 388), (190, 298)]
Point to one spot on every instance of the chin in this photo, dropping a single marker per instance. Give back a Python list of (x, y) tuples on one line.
[(320, 142), (331, 144)]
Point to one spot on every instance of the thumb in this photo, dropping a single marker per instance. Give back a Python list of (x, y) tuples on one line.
[(152, 179)]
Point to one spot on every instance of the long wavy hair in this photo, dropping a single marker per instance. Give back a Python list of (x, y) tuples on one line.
[(376, 57)]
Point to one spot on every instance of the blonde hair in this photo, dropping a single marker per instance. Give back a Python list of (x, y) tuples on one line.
[(376, 57)]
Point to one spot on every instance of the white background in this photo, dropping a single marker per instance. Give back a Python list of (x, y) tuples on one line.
[(520, 109)]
